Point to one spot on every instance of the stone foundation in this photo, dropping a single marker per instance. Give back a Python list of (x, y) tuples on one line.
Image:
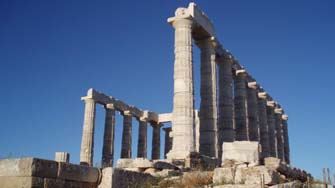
[(40, 173)]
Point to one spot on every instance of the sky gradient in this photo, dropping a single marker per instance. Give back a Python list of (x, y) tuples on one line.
[(51, 52)]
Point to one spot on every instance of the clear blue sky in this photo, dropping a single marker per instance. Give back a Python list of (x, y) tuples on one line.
[(51, 52)]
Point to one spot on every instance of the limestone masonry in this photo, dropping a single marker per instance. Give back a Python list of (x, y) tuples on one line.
[(239, 134)]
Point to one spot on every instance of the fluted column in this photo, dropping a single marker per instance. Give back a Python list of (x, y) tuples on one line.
[(108, 144), (87, 142), (183, 99), (142, 139), (156, 141), (286, 139), (226, 132), (240, 101), (168, 140), (279, 133), (208, 106), (271, 125), (253, 121), (263, 125), (126, 135)]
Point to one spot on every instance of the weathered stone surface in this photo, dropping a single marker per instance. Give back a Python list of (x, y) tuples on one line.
[(198, 161), (241, 152), (294, 184), (134, 163), (54, 183), (62, 157), (28, 167), (78, 173), (160, 165), (245, 175), (119, 178), (237, 186), (21, 182)]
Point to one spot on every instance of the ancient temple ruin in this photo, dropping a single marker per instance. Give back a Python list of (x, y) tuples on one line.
[(238, 123)]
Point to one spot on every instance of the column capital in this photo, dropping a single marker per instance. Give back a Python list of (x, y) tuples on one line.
[(126, 113), (278, 110), (110, 106), (87, 99), (241, 72), (182, 18), (284, 117), (270, 103), (252, 85), (262, 95)]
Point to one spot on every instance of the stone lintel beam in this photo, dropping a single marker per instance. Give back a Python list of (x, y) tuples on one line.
[(164, 118), (119, 105), (284, 117), (241, 71)]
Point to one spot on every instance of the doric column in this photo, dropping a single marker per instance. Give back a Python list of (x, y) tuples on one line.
[(271, 126), (286, 140), (279, 133), (183, 98), (142, 139), (253, 122), (87, 141), (226, 132), (168, 140), (197, 130), (62, 157), (240, 101), (208, 108), (108, 144), (126, 135), (263, 125), (156, 141)]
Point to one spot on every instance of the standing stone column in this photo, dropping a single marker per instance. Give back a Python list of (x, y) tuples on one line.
[(156, 141), (197, 130), (126, 135), (208, 108), (108, 144), (87, 141), (226, 132), (183, 99), (168, 140), (271, 125), (286, 139), (263, 125), (253, 122), (142, 139), (279, 133), (240, 101)]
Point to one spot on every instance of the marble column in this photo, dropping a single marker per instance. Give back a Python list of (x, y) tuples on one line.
[(126, 135), (279, 133), (226, 132), (263, 125), (87, 142), (208, 106), (271, 126), (240, 101), (253, 121), (156, 141), (142, 139), (197, 130), (183, 98), (286, 139), (108, 144), (168, 140)]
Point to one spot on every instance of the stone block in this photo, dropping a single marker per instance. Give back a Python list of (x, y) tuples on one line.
[(245, 175), (78, 173), (21, 182), (28, 167), (160, 165), (236, 186), (120, 178), (134, 163), (54, 183), (241, 152)]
